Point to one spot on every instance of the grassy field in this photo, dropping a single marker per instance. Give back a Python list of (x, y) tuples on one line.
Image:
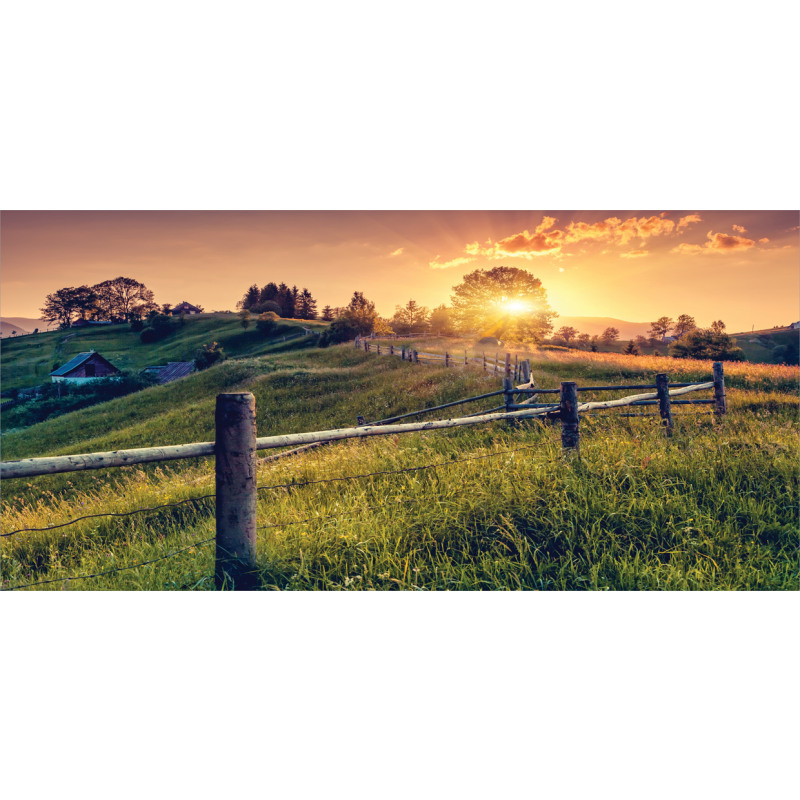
[(496, 506), (28, 360)]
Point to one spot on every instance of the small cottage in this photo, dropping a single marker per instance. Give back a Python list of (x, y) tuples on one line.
[(185, 308), (84, 368)]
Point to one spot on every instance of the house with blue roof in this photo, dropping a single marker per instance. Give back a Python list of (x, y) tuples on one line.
[(84, 368)]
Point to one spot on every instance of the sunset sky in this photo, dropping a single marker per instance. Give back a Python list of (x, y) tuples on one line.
[(740, 266)]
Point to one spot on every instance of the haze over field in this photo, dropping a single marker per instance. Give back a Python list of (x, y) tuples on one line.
[(740, 266)]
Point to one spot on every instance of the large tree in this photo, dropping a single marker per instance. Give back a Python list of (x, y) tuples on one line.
[(661, 327), (307, 305), (441, 320), (62, 305), (567, 333), (123, 297), (410, 318), (361, 312), (684, 324), (610, 334), (506, 302)]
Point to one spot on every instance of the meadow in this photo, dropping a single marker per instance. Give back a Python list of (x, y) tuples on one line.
[(494, 506)]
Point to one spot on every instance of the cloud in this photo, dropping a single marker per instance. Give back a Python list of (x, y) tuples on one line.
[(397, 252), (635, 254), (546, 239), (717, 243), (763, 241), (739, 228), (454, 262), (684, 222)]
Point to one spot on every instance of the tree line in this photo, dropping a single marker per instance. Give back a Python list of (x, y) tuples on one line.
[(116, 300), (290, 303)]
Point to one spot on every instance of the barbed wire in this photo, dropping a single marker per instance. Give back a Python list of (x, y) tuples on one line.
[(295, 484), (109, 571), (112, 514), (291, 485)]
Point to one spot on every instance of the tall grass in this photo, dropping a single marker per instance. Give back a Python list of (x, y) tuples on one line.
[(714, 507)]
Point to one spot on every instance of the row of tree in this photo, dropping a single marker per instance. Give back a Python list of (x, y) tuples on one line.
[(290, 303), (118, 299)]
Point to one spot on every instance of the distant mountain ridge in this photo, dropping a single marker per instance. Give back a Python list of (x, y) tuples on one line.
[(594, 326), (23, 325)]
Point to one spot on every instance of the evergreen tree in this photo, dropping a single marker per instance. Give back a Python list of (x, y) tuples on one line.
[(307, 305), (327, 313)]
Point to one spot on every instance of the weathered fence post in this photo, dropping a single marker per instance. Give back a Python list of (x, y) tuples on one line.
[(568, 408), (403, 353), (664, 405), (391, 349), (446, 358), (525, 371), (720, 401), (416, 357), (379, 348), (484, 361), (235, 451), (465, 358), (516, 367)]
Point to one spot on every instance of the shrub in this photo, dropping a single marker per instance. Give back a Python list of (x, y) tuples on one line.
[(267, 322), (209, 355), (137, 324)]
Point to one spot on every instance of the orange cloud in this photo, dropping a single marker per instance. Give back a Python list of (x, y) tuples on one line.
[(684, 222), (763, 241), (717, 243), (454, 262), (739, 228), (396, 252), (635, 254), (549, 240)]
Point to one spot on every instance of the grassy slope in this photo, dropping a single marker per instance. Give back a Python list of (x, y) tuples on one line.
[(712, 508), (29, 360)]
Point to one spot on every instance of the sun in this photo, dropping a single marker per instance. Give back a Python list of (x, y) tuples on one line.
[(515, 307)]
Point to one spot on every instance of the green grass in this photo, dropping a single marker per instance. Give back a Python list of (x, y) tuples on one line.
[(28, 360), (714, 507)]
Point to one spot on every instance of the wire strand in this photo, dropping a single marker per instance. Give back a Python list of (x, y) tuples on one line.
[(112, 514), (108, 572)]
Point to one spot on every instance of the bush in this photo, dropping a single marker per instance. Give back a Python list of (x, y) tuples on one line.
[(158, 326), (137, 325), (267, 307), (342, 329), (209, 355), (267, 322), (706, 344)]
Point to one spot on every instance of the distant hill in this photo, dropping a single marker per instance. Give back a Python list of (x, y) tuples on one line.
[(27, 324), (7, 329), (594, 326)]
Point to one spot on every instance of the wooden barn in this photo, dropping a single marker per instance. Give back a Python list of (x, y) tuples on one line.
[(83, 368)]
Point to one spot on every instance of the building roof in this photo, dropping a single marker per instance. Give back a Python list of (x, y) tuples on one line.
[(76, 361), (175, 370), (184, 306)]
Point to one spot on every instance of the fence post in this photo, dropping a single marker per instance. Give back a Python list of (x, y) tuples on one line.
[(446, 358), (235, 451), (484, 361), (720, 401), (465, 358), (525, 369), (664, 406), (516, 367), (403, 353), (379, 348), (391, 349), (568, 408), (416, 357)]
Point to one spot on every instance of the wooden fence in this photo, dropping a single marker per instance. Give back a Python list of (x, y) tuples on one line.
[(236, 444)]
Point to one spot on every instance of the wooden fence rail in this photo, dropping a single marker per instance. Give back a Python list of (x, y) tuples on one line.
[(236, 446)]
